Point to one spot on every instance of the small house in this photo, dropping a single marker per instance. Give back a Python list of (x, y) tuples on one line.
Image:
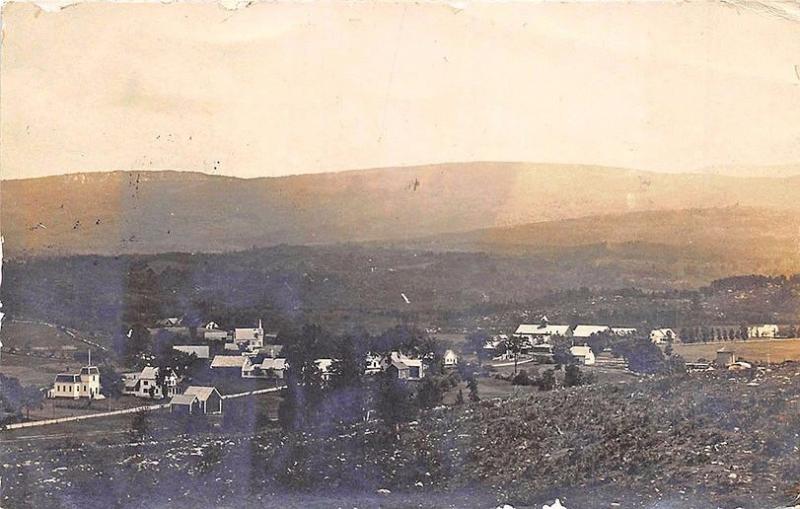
[(583, 354), (324, 366), (184, 404), (399, 370), (450, 359), (725, 358), (659, 336), (374, 363), (209, 399), (416, 367)]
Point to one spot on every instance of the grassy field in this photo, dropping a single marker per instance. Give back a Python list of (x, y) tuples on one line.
[(34, 370), (37, 338), (756, 350)]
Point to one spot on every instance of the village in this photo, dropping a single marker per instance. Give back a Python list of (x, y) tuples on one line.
[(208, 363), (228, 381)]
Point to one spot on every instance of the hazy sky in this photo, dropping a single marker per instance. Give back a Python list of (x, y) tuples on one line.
[(293, 88)]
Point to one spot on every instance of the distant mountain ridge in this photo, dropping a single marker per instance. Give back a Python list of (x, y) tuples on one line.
[(167, 211)]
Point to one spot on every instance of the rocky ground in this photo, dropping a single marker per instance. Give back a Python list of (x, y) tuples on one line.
[(696, 441)]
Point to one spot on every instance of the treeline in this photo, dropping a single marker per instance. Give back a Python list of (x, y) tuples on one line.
[(317, 400)]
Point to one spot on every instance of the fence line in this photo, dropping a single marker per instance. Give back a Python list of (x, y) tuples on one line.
[(59, 420), (251, 393), (99, 415)]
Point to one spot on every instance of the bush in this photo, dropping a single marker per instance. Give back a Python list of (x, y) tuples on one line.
[(522, 378)]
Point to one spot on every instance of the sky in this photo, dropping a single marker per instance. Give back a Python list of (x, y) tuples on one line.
[(287, 88)]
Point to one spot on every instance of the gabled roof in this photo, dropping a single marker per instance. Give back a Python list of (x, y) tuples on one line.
[(542, 329), (183, 399), (273, 364), (400, 366), (229, 361), (408, 361), (149, 373), (247, 334), (580, 351), (584, 331), (202, 392)]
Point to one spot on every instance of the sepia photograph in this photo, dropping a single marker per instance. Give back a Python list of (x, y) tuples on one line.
[(387, 254)]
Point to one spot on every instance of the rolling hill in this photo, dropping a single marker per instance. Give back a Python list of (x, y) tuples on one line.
[(150, 212)]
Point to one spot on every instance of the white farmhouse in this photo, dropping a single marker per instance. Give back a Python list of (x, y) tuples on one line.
[(450, 359), (85, 384), (268, 368), (659, 336), (145, 384), (324, 366), (374, 363)]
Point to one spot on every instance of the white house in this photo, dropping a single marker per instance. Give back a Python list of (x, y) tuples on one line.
[(374, 363), (584, 332), (659, 336), (324, 366), (145, 384), (450, 359), (85, 384), (762, 331), (583, 354), (252, 337), (623, 331), (541, 332), (269, 368)]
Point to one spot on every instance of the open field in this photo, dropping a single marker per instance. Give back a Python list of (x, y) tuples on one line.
[(682, 453), (37, 338), (756, 350), (35, 370)]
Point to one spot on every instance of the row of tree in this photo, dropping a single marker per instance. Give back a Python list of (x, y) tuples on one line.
[(346, 394)]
